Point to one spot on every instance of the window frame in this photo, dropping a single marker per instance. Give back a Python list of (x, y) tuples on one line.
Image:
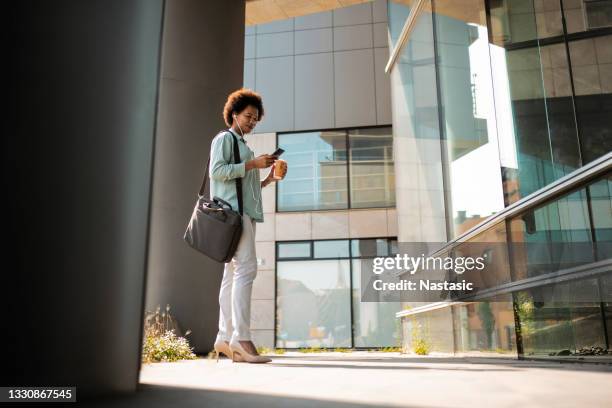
[(350, 260), (346, 131)]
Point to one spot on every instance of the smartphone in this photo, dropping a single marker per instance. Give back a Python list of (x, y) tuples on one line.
[(278, 152)]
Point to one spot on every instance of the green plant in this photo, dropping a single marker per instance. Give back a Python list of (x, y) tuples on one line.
[(279, 351), (525, 310), (263, 350), (166, 347), (420, 344), (314, 349), (160, 342), (342, 350), (420, 347)]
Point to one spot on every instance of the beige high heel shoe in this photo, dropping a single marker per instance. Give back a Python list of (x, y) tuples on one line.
[(223, 347), (239, 353)]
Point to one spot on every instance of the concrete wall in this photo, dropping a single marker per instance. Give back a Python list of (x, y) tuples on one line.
[(77, 164), (202, 62), (321, 71)]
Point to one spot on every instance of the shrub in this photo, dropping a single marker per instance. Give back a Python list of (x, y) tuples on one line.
[(420, 347), (263, 350), (420, 334), (161, 343), (166, 347)]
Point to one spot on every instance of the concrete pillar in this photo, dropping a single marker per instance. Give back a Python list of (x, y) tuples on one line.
[(202, 62), (77, 162)]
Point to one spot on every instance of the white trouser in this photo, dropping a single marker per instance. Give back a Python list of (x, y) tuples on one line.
[(237, 286)]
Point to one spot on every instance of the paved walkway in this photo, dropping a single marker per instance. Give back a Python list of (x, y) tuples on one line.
[(372, 379)]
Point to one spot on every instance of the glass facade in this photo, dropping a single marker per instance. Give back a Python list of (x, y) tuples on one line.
[(467, 114), (558, 235), (517, 97), (566, 323), (485, 326), (560, 319), (318, 296), (337, 170), (503, 98)]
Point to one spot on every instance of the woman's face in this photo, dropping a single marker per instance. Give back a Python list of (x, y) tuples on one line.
[(247, 119)]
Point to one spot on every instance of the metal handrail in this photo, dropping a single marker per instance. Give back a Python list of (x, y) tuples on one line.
[(403, 37), (564, 185), (557, 188)]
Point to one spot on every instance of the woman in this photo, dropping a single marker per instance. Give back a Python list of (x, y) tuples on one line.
[(241, 113)]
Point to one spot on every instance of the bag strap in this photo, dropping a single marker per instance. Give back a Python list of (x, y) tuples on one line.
[(203, 187), (238, 180)]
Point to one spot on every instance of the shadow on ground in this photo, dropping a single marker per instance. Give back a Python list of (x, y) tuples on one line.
[(154, 396)]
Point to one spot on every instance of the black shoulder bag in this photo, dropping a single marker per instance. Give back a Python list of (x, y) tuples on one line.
[(215, 228)]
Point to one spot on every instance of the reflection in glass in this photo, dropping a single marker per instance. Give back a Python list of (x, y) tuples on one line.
[(416, 124), (587, 15), (313, 304), (318, 176), (371, 168), (544, 139), (369, 247), (491, 246), (432, 329), (592, 74), (485, 326), (375, 324), (331, 249), (605, 284), (468, 112), (398, 12), (547, 16), (557, 236), (568, 321), (294, 250), (601, 206)]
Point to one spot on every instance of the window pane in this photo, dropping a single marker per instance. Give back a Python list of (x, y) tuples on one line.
[(393, 247), (371, 168), (317, 177), (313, 304), (485, 325), (491, 244), (565, 323), (598, 13), (468, 115), (601, 206), (369, 247), (592, 74), (606, 298), (375, 324), (587, 15), (556, 236), (537, 137), (331, 249), (294, 250)]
